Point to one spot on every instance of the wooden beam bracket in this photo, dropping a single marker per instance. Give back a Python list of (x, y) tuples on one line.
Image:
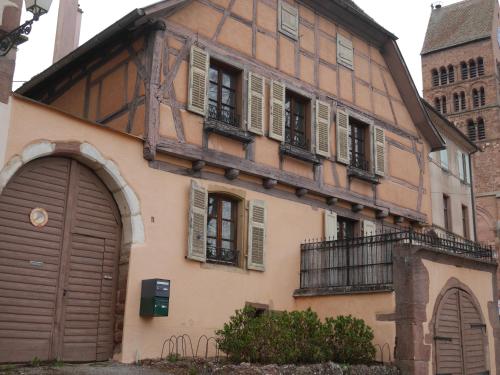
[(269, 183)]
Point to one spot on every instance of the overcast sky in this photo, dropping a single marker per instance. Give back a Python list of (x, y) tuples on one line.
[(407, 19)]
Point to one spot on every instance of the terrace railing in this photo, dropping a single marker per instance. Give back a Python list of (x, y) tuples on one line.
[(366, 263)]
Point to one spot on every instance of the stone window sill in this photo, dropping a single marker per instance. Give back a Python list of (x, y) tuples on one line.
[(334, 291), (353, 172)]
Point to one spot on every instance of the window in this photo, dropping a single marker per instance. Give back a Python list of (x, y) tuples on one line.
[(446, 212), (480, 66), (345, 228), (435, 77), (472, 69), (456, 102), (443, 76), (222, 94), (482, 98), (222, 225), (471, 130), (475, 98), (462, 101), (465, 222), (464, 70), (451, 74), (358, 145), (443, 154), (461, 165), (296, 120), (481, 131), (345, 52), (444, 108)]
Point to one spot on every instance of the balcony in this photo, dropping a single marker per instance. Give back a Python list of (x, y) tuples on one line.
[(359, 167), (365, 264), (226, 122)]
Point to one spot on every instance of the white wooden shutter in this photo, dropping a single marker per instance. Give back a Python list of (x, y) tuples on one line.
[(198, 80), (288, 20), (460, 163), (467, 169), (323, 128), (342, 123), (330, 226), (256, 85), (444, 158), (345, 52), (197, 241), (379, 143), (369, 228), (277, 111), (256, 235)]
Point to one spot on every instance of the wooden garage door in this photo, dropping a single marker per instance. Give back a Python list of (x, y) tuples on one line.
[(57, 281), (460, 336)]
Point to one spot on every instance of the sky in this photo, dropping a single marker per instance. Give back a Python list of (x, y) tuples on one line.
[(407, 19)]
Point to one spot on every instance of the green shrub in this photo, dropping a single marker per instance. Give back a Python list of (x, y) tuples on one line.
[(351, 340), (295, 337), (274, 337)]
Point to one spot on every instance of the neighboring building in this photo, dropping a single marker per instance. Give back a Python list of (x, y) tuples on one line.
[(203, 142), (461, 75), (453, 208), (10, 16)]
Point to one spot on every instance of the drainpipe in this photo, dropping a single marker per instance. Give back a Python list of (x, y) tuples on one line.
[(472, 197)]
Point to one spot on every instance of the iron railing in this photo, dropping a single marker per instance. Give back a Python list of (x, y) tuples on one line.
[(360, 163), (220, 255), (365, 263), (226, 115)]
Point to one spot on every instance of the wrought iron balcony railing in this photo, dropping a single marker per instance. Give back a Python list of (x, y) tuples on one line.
[(220, 255), (360, 163), (366, 263), (225, 115)]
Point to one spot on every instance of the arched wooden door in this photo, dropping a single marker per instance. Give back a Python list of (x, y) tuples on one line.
[(57, 279), (460, 336)]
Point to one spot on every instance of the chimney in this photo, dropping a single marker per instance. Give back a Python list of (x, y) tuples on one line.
[(68, 28)]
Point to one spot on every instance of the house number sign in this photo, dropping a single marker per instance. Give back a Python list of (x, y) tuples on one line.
[(39, 217)]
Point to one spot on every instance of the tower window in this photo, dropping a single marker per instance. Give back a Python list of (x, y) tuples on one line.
[(480, 66), (472, 69), (464, 70), (443, 75), (451, 74), (435, 77)]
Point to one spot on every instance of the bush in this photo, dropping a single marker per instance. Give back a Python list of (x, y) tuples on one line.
[(294, 337), (351, 340)]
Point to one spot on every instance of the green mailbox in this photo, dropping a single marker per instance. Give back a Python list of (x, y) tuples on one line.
[(155, 295)]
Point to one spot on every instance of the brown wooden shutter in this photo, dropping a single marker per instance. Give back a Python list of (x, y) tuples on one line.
[(197, 241), (256, 235), (345, 52), (322, 128), (342, 123), (277, 111), (379, 144), (330, 226), (198, 80), (256, 85)]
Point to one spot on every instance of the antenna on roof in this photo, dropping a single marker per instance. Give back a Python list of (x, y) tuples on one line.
[(436, 5)]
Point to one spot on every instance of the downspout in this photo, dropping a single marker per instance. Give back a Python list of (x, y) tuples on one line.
[(472, 197)]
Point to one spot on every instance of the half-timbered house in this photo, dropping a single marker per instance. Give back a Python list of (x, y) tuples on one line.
[(265, 152)]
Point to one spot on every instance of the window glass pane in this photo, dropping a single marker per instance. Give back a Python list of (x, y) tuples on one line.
[(211, 245), (228, 245), (212, 92), (227, 211), (214, 74), (227, 230), (212, 227), (212, 207), (228, 80), (228, 97)]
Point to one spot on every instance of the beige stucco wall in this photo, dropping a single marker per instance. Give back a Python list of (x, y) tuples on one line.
[(480, 284), (448, 182), (202, 296), (4, 129)]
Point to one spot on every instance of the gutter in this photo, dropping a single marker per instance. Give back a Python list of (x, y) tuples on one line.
[(120, 25)]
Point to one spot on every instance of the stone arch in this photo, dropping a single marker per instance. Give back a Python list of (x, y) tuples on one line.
[(125, 197)]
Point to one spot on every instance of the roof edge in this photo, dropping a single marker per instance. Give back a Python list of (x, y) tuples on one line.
[(422, 53)]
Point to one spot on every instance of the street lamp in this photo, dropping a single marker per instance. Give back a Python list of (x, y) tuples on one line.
[(13, 38)]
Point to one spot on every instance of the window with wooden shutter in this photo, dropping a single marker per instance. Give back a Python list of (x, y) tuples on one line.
[(256, 235), (198, 80), (460, 163), (330, 226), (323, 128), (342, 123), (467, 169), (197, 240), (277, 111), (345, 52), (288, 20), (379, 143), (256, 85), (369, 228)]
